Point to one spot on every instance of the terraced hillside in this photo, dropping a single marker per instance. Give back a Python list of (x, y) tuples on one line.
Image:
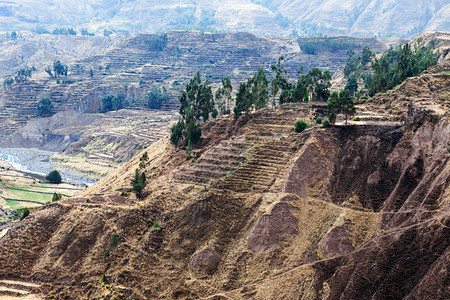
[(149, 60), (257, 211)]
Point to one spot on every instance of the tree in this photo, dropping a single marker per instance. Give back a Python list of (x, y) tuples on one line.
[(54, 177), (156, 97), (243, 99), (346, 104), (223, 96), (279, 82), (300, 90), (318, 83), (59, 68), (260, 91), (352, 64), (340, 103), (117, 102), (333, 107), (366, 55), (107, 32), (176, 132), (352, 84), (395, 65), (196, 106), (45, 107), (56, 197), (139, 182)]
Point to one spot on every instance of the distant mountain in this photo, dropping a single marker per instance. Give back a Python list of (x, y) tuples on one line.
[(382, 18)]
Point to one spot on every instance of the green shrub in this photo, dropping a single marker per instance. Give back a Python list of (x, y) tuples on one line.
[(54, 177), (356, 119), (105, 279), (176, 132), (26, 213), (56, 197), (325, 123), (114, 240), (300, 126), (319, 120), (138, 183)]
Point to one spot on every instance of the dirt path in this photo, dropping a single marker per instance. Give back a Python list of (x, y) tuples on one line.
[(12, 289), (3, 232)]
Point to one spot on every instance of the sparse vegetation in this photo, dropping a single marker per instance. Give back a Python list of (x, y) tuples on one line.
[(157, 42), (315, 44)]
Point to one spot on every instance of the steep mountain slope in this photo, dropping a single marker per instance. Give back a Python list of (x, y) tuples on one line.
[(258, 212), (369, 17)]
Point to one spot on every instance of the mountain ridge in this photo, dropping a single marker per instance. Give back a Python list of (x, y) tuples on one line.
[(363, 18)]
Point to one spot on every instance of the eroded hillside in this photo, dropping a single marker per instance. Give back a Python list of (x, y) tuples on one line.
[(258, 212)]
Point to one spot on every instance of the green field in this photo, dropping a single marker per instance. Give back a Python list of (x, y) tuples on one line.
[(30, 196), (12, 203)]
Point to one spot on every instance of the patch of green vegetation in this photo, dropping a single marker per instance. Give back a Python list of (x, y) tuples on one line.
[(12, 203), (445, 73), (30, 196)]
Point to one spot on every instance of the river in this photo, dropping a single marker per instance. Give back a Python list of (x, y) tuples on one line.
[(39, 162)]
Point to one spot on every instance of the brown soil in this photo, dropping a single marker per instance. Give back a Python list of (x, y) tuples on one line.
[(346, 212)]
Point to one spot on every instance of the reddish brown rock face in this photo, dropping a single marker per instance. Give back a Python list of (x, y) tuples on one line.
[(206, 261), (336, 242), (268, 229)]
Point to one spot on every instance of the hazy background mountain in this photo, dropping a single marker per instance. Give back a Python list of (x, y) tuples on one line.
[(383, 18)]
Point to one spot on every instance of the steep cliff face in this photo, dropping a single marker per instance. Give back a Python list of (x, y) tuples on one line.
[(260, 212)]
